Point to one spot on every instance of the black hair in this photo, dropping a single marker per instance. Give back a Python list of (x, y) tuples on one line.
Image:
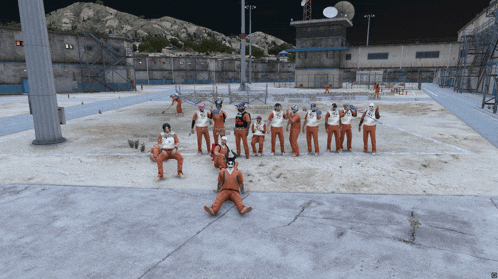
[(167, 125)]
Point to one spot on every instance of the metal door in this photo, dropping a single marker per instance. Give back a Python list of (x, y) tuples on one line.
[(25, 85)]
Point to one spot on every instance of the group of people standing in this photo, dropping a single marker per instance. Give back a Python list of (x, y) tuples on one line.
[(230, 179)]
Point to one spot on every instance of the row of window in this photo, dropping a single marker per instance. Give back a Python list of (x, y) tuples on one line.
[(68, 46), (374, 56)]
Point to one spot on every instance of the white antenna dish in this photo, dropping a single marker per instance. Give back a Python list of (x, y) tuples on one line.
[(345, 9), (330, 12), (303, 2)]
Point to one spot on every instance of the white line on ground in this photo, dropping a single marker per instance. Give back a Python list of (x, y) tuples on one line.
[(205, 155), (486, 115), (431, 93)]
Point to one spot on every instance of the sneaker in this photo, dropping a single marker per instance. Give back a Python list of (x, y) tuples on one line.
[(181, 175), (316, 154), (209, 210), (255, 154), (351, 150), (328, 150), (247, 156), (294, 155), (199, 154), (283, 154), (272, 154), (158, 179), (373, 153), (244, 210), (259, 155), (364, 150), (339, 151)]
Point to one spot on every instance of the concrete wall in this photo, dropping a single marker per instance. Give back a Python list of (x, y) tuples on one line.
[(402, 56), (66, 62), (319, 78)]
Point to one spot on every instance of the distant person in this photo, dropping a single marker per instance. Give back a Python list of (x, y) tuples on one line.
[(370, 127), (345, 116), (327, 87), (276, 120), (258, 135), (333, 128), (295, 122), (201, 121), (169, 150), (242, 125), (311, 123), (219, 121)]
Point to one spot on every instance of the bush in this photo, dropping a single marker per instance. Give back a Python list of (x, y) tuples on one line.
[(292, 57), (99, 2), (208, 45), (256, 52), (153, 44), (276, 49), (176, 43)]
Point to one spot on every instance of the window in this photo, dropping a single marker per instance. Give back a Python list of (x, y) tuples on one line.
[(68, 46), (19, 43), (427, 54), (348, 56), (330, 54), (378, 56), (88, 47), (302, 55)]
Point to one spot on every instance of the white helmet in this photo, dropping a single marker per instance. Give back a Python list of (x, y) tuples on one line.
[(294, 108)]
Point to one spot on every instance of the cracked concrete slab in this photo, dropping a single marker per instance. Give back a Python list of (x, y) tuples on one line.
[(50, 231)]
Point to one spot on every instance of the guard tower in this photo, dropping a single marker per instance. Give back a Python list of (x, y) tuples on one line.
[(319, 43)]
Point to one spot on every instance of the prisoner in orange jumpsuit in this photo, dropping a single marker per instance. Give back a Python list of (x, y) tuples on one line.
[(346, 115), (201, 121), (333, 128), (276, 120), (311, 122), (219, 154), (295, 122), (258, 135), (369, 127), (229, 181), (176, 98), (169, 150), (327, 87), (242, 125), (377, 90), (219, 118)]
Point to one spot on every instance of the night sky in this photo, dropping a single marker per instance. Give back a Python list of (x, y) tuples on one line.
[(394, 20)]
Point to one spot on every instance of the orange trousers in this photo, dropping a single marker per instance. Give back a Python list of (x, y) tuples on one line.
[(280, 132), (155, 152), (257, 139), (218, 132), (161, 158), (225, 195), (294, 134), (178, 108), (241, 135), (312, 131), (369, 130), (346, 130), (335, 131), (202, 131)]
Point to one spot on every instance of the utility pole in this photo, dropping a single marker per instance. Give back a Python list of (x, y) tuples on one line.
[(243, 48), (368, 30), (250, 7), (40, 73), (147, 63)]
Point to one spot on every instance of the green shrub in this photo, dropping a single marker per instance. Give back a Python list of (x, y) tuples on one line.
[(153, 44), (276, 49), (256, 52), (99, 2)]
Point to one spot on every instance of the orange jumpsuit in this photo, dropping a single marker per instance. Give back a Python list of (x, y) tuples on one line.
[(312, 132), (219, 125), (327, 87), (346, 130), (277, 131), (156, 149), (229, 189), (335, 131), (177, 156), (178, 104), (294, 132), (219, 160), (258, 138), (202, 131), (369, 129), (240, 134)]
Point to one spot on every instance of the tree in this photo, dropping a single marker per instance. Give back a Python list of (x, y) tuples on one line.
[(153, 44), (292, 57), (255, 51), (142, 16), (276, 49), (99, 2)]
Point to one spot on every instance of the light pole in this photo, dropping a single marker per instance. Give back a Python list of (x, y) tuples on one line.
[(250, 7), (243, 48), (368, 30), (147, 63)]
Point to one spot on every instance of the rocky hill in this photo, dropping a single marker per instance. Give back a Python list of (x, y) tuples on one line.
[(96, 18)]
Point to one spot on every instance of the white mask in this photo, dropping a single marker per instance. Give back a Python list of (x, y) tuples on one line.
[(371, 107)]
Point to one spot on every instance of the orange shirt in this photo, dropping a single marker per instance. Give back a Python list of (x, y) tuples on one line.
[(296, 125), (218, 119), (230, 179), (176, 99), (221, 150)]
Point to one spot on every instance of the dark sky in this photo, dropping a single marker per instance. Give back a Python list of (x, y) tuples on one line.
[(394, 20)]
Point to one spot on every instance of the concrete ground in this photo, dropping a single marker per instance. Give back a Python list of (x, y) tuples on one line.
[(425, 206)]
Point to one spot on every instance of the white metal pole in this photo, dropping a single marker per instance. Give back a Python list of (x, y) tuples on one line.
[(40, 73), (250, 44), (147, 62), (243, 48), (368, 29)]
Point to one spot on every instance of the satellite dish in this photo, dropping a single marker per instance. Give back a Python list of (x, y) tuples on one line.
[(345, 9), (330, 12), (303, 2)]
